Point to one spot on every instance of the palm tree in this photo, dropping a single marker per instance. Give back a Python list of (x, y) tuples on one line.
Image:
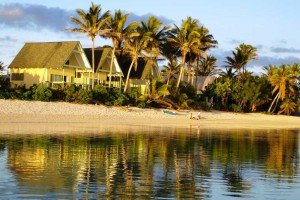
[(207, 66), (229, 72), (187, 39), (241, 57), (156, 33), (92, 24), (283, 79), (1, 66), (150, 36), (133, 46), (171, 69), (288, 106), (117, 33)]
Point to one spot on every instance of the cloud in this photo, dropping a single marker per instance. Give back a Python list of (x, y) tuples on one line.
[(7, 39), (137, 18), (266, 60), (260, 46), (31, 16), (282, 41), (235, 41), (27, 16), (260, 62), (284, 50)]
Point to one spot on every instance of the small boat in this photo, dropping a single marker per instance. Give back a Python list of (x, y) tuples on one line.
[(169, 112)]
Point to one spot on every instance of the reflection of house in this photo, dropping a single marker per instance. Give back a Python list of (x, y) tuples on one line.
[(50, 63), (140, 78), (103, 60)]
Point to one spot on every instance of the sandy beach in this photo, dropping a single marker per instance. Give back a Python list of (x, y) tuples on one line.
[(60, 117)]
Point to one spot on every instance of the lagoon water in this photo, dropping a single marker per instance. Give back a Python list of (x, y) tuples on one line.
[(156, 164)]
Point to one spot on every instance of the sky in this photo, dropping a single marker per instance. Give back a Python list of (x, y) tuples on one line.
[(273, 26)]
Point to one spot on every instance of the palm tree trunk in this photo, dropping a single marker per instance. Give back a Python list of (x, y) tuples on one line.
[(111, 65), (273, 102), (127, 78), (181, 71), (189, 73), (93, 61), (167, 82)]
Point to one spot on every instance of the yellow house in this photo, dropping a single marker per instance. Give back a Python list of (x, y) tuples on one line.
[(146, 70), (50, 63), (103, 59)]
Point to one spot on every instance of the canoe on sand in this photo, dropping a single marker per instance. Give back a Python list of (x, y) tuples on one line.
[(169, 112)]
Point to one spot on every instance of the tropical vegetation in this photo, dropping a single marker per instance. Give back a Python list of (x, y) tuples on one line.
[(186, 49)]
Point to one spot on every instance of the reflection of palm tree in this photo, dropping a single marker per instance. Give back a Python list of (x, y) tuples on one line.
[(91, 24)]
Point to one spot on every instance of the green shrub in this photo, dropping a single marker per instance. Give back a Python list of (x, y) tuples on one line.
[(28, 94), (42, 93), (71, 93), (4, 83), (134, 95), (118, 98), (100, 94), (85, 96), (142, 104), (58, 94), (189, 90), (235, 108)]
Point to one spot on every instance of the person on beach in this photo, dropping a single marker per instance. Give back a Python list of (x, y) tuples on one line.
[(197, 117)]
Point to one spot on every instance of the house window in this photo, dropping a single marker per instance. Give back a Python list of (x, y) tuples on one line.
[(17, 76), (78, 74), (56, 78)]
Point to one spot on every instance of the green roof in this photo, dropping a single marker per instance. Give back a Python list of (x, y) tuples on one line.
[(44, 55)]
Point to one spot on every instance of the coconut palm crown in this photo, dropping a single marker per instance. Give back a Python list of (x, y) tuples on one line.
[(91, 23)]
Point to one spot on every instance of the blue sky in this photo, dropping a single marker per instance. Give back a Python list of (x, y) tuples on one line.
[(270, 25)]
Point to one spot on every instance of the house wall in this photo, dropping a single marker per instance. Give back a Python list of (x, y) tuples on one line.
[(138, 83), (43, 76), (31, 76)]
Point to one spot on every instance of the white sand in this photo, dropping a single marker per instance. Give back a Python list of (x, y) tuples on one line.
[(60, 117)]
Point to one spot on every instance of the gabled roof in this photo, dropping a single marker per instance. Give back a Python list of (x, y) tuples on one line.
[(146, 68), (46, 55), (103, 56)]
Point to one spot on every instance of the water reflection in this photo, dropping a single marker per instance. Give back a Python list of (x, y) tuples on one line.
[(161, 164)]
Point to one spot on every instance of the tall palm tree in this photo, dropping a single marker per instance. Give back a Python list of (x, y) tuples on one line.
[(1, 66), (170, 70), (156, 33), (187, 39), (133, 47), (283, 79), (241, 57), (92, 24), (150, 36), (207, 66), (118, 32)]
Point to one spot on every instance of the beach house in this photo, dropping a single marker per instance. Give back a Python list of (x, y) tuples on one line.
[(104, 60), (52, 64), (146, 70)]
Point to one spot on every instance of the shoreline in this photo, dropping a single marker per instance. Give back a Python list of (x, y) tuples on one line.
[(18, 116)]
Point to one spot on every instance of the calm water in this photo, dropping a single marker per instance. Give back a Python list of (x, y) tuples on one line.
[(163, 164)]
